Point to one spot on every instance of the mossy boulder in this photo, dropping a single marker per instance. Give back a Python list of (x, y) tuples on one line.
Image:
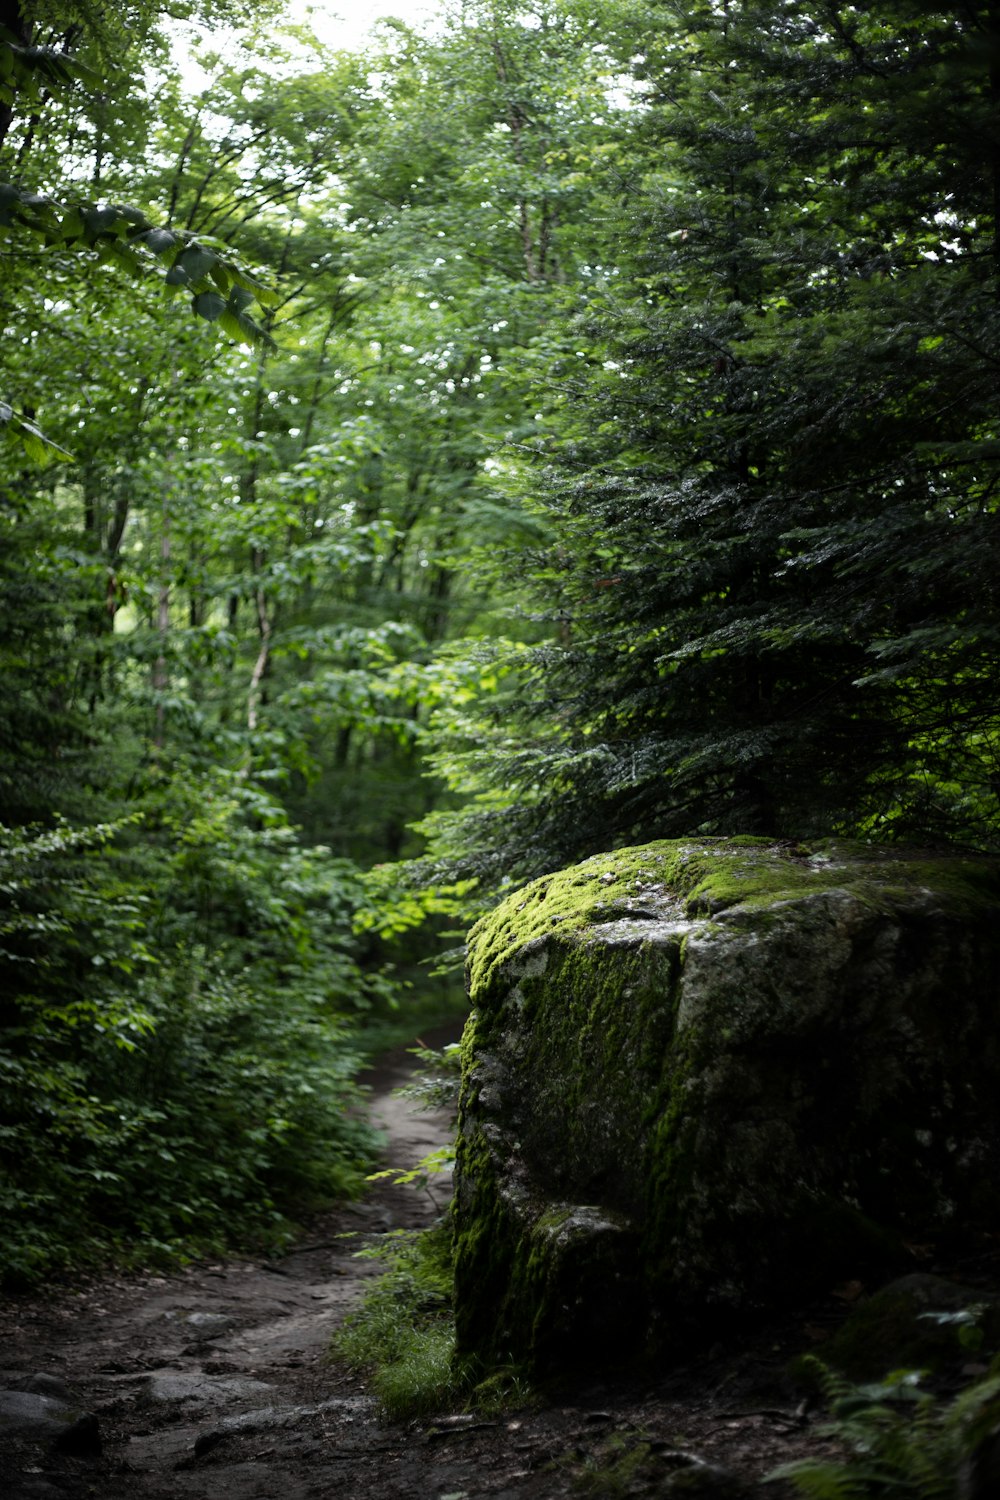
[(701, 1075), (918, 1322)]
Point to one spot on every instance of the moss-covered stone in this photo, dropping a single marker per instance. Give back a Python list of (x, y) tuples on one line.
[(700, 1071), (918, 1322)]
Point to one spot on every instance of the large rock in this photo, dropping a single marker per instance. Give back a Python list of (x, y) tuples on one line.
[(702, 1075)]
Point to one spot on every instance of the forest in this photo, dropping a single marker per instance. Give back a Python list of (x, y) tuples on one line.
[(565, 426)]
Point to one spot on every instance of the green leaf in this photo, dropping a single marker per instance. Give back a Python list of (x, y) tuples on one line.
[(229, 323), (98, 220), (240, 298), (122, 255), (196, 262), (30, 437), (157, 240), (210, 305), (72, 224)]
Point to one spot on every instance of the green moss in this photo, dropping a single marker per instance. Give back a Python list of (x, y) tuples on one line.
[(720, 1140), (708, 876), (509, 1258), (623, 1463)]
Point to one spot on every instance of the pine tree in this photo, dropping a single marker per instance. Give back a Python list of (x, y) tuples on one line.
[(773, 563)]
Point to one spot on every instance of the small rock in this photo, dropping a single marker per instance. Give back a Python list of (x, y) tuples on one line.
[(81, 1438), (706, 1481), (205, 1325), (268, 1417), (209, 1324), (206, 1441), (908, 1324), (209, 1390), (35, 1487)]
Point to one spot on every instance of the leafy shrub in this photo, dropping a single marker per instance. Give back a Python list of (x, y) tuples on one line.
[(176, 1053)]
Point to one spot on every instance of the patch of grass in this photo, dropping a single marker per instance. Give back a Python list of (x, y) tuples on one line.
[(420, 1379), (613, 1475), (632, 1464), (403, 1335), (504, 1389)]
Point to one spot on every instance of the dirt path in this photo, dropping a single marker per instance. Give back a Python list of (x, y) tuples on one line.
[(214, 1384)]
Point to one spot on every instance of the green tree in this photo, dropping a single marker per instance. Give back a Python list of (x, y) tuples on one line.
[(774, 537), (230, 616), (180, 971)]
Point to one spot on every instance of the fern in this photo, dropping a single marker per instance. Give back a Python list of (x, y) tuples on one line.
[(900, 1442)]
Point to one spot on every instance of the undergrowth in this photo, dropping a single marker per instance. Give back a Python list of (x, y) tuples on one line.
[(901, 1441), (403, 1335), (179, 1002)]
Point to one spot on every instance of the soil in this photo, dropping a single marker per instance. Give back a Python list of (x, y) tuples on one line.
[(216, 1383)]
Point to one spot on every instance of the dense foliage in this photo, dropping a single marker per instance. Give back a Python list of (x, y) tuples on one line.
[(772, 521), (625, 452)]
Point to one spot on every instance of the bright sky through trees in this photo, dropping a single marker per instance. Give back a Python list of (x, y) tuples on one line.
[(346, 25)]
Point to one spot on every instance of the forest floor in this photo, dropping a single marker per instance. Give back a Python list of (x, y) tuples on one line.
[(216, 1383)]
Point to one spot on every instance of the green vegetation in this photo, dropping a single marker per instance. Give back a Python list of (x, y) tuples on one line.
[(912, 1325), (393, 512), (174, 1073), (404, 1332), (766, 474), (403, 1335), (900, 1441), (618, 1470)]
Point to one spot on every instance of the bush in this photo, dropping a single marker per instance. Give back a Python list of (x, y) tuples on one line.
[(176, 1041)]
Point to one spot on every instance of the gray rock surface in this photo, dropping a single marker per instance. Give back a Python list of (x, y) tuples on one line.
[(49, 1415), (208, 1390), (202, 1325), (703, 1075), (30, 1411)]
